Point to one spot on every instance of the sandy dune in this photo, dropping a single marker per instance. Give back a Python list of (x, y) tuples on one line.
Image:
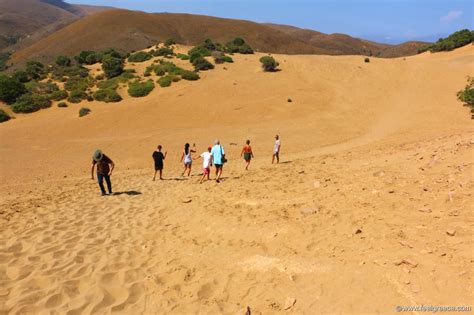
[(370, 209)]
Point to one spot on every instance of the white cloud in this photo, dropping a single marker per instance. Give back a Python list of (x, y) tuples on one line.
[(451, 16)]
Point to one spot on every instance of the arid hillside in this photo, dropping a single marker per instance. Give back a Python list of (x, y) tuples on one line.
[(131, 30), (23, 22)]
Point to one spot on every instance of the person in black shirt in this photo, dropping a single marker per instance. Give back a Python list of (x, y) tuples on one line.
[(159, 157)]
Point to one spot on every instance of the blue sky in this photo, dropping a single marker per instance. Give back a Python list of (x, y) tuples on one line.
[(389, 21)]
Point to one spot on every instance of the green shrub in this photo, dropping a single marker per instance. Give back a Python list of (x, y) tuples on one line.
[(62, 104), (189, 75), (140, 56), (163, 51), (467, 95), (77, 96), (182, 56), (59, 72), (10, 89), (140, 89), (227, 59), (78, 83), (4, 116), (453, 41), (170, 42), (112, 66), (110, 84), (107, 95), (35, 70), (41, 88), (82, 57), (29, 103), (21, 76), (165, 81), (201, 64), (58, 95), (198, 51), (269, 64), (3, 60), (220, 58), (84, 111), (366, 60), (238, 45), (63, 61)]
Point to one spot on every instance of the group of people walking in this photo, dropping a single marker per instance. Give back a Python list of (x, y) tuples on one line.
[(214, 156)]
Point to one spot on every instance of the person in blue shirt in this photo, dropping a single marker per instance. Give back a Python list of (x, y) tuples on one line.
[(218, 159)]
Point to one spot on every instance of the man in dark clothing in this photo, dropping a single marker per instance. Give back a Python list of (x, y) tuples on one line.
[(158, 157), (105, 166)]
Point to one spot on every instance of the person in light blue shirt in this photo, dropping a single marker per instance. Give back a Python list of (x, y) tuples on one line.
[(218, 158)]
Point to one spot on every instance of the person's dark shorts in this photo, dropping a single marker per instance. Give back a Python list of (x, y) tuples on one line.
[(158, 167), (247, 156), (218, 166)]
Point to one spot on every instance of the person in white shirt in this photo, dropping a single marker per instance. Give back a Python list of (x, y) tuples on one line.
[(276, 150), (206, 164)]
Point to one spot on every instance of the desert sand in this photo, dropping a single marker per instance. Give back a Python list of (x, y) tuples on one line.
[(370, 207)]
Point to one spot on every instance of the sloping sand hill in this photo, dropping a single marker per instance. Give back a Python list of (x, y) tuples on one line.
[(370, 208)]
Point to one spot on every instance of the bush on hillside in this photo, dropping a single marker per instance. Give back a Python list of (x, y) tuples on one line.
[(59, 72), (238, 45), (41, 88), (140, 56), (182, 56), (107, 95), (35, 70), (198, 51), (63, 61), (29, 103), (269, 64), (165, 81), (189, 75), (78, 83), (10, 89), (4, 116), (21, 76), (82, 57), (453, 41), (140, 89), (163, 52), (112, 66), (76, 96), (170, 42), (3, 60), (366, 60), (201, 64), (62, 105), (84, 111), (220, 58), (58, 95), (467, 95)]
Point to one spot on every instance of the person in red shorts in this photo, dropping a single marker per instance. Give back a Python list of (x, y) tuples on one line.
[(206, 164)]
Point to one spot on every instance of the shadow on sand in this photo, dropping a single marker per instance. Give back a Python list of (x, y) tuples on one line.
[(130, 193)]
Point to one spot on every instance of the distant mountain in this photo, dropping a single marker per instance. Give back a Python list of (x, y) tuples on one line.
[(23, 22), (132, 30)]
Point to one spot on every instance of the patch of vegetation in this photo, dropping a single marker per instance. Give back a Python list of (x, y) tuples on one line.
[(238, 45), (220, 58), (366, 60), (189, 75), (112, 66), (165, 81), (59, 72), (58, 95), (140, 56), (84, 111), (4, 116), (201, 64), (76, 96), (453, 41), (10, 89), (107, 95), (63, 61), (29, 103), (170, 42), (4, 57), (35, 70), (140, 89), (62, 105), (79, 84), (163, 52), (21, 76), (182, 56), (41, 88), (269, 64), (467, 95)]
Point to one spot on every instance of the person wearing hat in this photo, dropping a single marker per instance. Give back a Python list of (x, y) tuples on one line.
[(105, 166)]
